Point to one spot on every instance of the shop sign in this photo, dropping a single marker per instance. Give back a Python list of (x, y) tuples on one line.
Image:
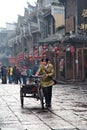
[(84, 15), (83, 26), (70, 24)]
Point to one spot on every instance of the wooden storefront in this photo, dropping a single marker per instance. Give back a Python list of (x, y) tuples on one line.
[(81, 56), (75, 62)]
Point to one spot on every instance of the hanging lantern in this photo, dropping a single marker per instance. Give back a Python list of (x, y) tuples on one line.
[(72, 49), (57, 52), (30, 59), (36, 52), (24, 55), (40, 56), (44, 47), (36, 47), (44, 55), (35, 57), (30, 56), (44, 52), (56, 48)]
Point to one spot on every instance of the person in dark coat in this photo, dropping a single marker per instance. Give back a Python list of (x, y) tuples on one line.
[(36, 66), (14, 74), (18, 76), (4, 74)]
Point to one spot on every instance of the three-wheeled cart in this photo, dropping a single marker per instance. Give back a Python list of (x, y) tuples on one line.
[(32, 90)]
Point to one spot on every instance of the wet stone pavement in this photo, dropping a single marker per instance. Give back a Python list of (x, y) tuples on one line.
[(68, 112)]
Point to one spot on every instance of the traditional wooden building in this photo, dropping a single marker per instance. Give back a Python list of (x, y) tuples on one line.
[(76, 39), (52, 29), (63, 36)]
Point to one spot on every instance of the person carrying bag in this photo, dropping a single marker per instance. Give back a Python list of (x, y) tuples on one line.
[(47, 70)]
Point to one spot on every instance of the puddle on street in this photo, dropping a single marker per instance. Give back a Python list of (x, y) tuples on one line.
[(75, 88), (79, 110), (81, 104)]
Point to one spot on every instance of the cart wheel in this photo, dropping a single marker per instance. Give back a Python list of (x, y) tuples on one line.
[(41, 96), (21, 98)]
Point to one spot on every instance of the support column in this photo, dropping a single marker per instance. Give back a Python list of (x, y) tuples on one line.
[(73, 66), (83, 64), (77, 50)]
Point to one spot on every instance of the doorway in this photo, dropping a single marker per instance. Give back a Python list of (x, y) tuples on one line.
[(85, 64)]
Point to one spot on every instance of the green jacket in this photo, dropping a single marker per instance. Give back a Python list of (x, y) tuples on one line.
[(46, 81)]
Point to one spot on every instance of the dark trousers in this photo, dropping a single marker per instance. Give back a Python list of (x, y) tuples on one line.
[(10, 78), (4, 79), (24, 79), (18, 79), (47, 94)]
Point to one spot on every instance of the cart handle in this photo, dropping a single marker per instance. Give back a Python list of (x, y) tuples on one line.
[(33, 76)]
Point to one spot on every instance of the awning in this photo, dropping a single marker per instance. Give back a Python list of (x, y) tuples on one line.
[(51, 39), (75, 38)]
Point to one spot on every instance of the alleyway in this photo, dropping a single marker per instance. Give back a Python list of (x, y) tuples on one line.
[(68, 112)]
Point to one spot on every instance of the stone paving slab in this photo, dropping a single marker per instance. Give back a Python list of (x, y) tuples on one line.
[(38, 126), (9, 129), (68, 112), (65, 129), (54, 120)]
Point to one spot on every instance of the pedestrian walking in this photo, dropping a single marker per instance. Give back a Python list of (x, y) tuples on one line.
[(24, 74), (30, 73), (14, 74), (4, 74), (47, 70), (36, 66), (10, 74), (18, 75), (62, 68)]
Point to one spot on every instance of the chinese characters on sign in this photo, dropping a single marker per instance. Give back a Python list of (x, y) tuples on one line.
[(83, 26), (84, 15)]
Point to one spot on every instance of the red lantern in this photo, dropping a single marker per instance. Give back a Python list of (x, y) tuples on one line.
[(44, 47), (44, 55), (30, 56), (56, 48), (30, 59), (57, 52), (36, 47), (36, 52), (40, 56), (72, 49), (35, 57), (44, 52)]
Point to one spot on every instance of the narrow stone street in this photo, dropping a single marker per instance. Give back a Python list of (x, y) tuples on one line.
[(68, 112)]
